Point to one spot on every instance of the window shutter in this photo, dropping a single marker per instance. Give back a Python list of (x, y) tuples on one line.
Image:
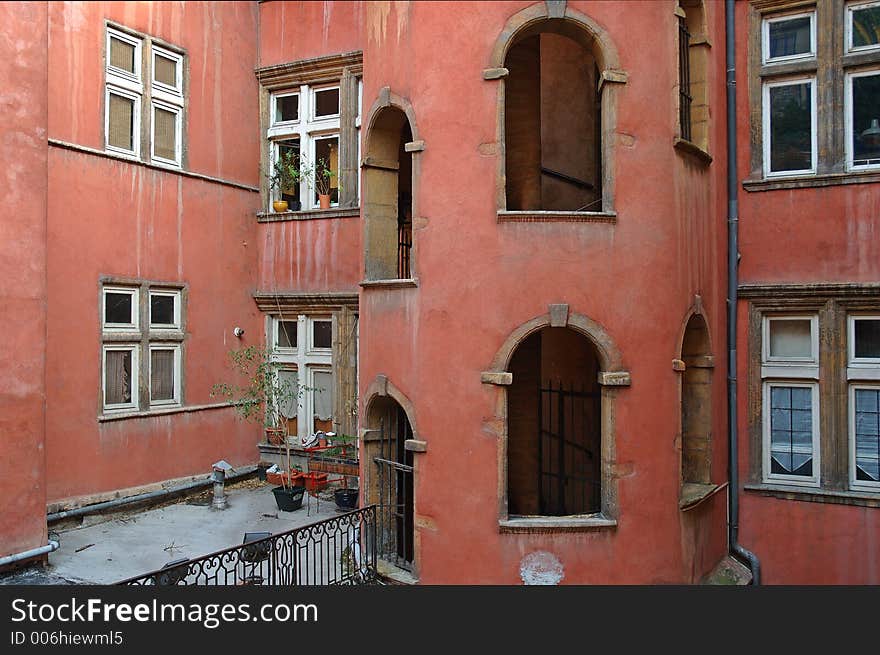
[(121, 124), (165, 134)]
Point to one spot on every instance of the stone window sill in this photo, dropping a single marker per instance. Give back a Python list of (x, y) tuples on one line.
[(692, 150), (692, 495), (831, 496), (811, 181), (163, 411), (308, 215), (538, 524), (395, 574), (411, 283), (540, 216)]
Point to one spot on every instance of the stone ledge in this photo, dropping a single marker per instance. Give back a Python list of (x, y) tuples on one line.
[(831, 496), (810, 181), (539, 216), (540, 524), (693, 495), (693, 150), (308, 215), (502, 378), (411, 283), (104, 418)]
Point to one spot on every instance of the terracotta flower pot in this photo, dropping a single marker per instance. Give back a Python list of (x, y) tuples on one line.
[(324, 200), (275, 436)]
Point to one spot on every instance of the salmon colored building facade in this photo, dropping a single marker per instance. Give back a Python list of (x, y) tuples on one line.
[(515, 297)]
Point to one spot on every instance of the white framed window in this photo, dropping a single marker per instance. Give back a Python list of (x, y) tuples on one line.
[(320, 334), (790, 346), (320, 398), (864, 436), (122, 121), (165, 130), (119, 377), (325, 103), (789, 127), (164, 375), (164, 309), (285, 109), (791, 432), (862, 119), (863, 332), (286, 334), (862, 28), (788, 38), (124, 59), (167, 74), (119, 310)]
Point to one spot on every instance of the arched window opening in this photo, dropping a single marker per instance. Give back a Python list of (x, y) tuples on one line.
[(693, 68), (553, 123), (389, 482), (696, 406), (388, 197), (554, 426)]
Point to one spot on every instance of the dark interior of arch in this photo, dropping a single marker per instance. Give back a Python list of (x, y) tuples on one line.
[(554, 426), (696, 404), (552, 124)]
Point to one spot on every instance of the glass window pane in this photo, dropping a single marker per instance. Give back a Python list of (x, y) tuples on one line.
[(117, 308), (327, 168), (866, 27), (790, 37), (165, 70), (161, 310), (165, 134), (286, 108), (286, 334), (790, 127), (121, 123), (867, 336), (791, 338), (866, 119), (326, 102), (122, 55), (322, 334), (791, 431), (117, 377), (323, 395), (161, 375), (867, 435), (288, 158), (288, 392)]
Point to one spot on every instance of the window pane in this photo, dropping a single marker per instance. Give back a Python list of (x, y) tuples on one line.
[(117, 377), (286, 108), (117, 308), (286, 334), (322, 334), (121, 124), (790, 37), (161, 375), (165, 134), (161, 310), (866, 27), (288, 387), (165, 70), (326, 102), (122, 55), (866, 119), (323, 395), (327, 160), (790, 127), (791, 431), (867, 338), (288, 154), (791, 338), (867, 435)]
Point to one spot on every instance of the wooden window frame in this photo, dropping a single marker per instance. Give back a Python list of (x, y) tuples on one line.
[(848, 118), (766, 123), (852, 7), (766, 59)]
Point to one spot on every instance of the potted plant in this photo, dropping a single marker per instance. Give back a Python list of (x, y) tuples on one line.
[(284, 176), (268, 399), (319, 177)]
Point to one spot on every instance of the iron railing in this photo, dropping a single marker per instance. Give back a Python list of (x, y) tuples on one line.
[(684, 80), (337, 551)]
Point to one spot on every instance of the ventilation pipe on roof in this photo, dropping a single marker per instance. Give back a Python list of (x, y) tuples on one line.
[(744, 555)]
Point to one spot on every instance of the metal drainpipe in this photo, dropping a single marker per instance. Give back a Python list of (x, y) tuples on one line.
[(744, 555), (161, 493), (28, 554)]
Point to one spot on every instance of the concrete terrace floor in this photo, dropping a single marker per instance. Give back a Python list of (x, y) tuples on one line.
[(105, 550)]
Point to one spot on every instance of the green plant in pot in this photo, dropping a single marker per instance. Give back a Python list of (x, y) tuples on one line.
[(320, 178), (284, 178), (269, 398)]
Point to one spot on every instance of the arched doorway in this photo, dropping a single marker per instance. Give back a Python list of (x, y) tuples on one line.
[(389, 483), (554, 449), (388, 196), (696, 406)]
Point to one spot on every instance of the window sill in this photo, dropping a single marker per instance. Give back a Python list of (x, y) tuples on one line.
[(308, 214), (394, 574), (410, 283), (692, 150), (539, 524), (811, 181), (831, 496), (540, 216), (164, 411), (692, 495)]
